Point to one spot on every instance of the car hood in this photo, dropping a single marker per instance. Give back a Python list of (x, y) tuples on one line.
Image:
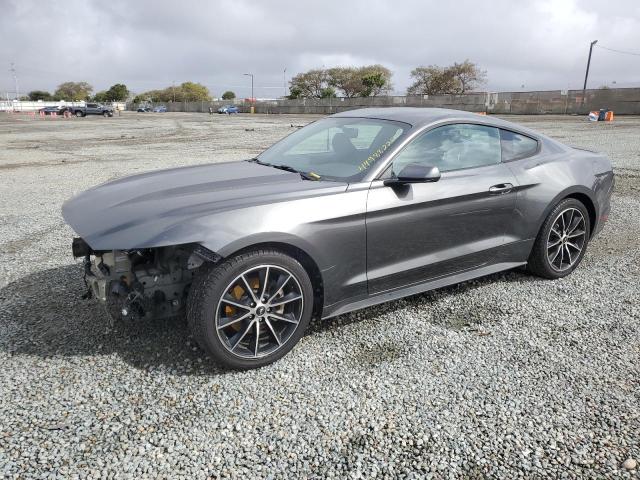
[(164, 207)]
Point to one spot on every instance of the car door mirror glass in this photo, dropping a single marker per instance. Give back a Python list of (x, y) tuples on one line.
[(415, 173)]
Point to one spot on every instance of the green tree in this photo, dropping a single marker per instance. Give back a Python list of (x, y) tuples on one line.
[(346, 79), (375, 79), (117, 93), (101, 97), (468, 76), (311, 84), (458, 78), (431, 80), (295, 92), (186, 92), (36, 95), (228, 95), (194, 92), (328, 92), (73, 91), (158, 95)]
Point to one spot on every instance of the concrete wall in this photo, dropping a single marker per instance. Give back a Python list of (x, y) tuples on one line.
[(622, 101)]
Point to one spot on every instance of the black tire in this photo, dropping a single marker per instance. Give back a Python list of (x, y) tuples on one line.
[(210, 285), (79, 114), (539, 262), (105, 114)]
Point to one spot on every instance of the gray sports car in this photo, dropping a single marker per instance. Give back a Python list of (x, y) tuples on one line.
[(356, 209)]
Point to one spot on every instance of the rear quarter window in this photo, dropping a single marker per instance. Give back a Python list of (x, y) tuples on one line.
[(515, 145)]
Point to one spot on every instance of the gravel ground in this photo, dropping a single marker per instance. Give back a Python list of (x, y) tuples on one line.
[(507, 376)]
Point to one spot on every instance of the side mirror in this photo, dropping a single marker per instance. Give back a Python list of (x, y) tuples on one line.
[(415, 173)]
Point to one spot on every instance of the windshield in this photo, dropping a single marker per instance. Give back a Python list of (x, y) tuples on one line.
[(335, 148)]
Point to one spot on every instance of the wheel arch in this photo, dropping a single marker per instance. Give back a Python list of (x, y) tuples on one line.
[(305, 259), (583, 195), (589, 205)]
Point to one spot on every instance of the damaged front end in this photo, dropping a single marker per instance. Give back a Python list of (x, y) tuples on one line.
[(149, 282)]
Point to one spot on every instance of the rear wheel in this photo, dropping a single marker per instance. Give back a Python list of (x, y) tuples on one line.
[(79, 113), (562, 241), (250, 310)]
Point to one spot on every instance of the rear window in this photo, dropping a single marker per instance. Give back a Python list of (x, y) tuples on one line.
[(515, 145)]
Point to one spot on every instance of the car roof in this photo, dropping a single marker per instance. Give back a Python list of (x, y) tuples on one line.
[(420, 116)]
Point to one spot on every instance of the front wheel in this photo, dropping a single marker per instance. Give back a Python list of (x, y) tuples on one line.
[(562, 240), (79, 114), (252, 309)]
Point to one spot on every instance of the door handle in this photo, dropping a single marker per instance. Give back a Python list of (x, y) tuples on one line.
[(501, 189)]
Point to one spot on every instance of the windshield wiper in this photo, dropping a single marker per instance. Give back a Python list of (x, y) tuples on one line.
[(287, 168), (304, 175)]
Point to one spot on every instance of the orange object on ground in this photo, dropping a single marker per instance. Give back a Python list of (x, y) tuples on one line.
[(608, 117)]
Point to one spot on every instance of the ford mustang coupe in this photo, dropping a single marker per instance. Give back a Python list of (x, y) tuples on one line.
[(356, 209)]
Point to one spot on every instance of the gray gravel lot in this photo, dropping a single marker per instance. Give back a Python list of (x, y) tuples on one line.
[(507, 376)]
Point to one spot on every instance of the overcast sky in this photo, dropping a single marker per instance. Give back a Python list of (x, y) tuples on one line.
[(541, 44)]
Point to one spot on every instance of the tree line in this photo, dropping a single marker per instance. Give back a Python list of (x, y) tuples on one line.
[(374, 80), (367, 81), (185, 92), (349, 82), (82, 91)]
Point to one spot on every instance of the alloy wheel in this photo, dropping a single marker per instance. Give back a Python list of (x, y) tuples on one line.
[(259, 311), (567, 239)]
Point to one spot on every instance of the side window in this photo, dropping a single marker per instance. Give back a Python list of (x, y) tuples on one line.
[(452, 147), (515, 146)]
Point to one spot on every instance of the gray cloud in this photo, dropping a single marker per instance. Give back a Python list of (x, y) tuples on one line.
[(541, 44)]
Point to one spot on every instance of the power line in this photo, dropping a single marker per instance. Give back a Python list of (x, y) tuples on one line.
[(637, 54)]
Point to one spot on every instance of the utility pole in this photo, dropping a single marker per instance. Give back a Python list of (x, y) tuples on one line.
[(284, 82), (173, 90), (15, 79), (586, 74)]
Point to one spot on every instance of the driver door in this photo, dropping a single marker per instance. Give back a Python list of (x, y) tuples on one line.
[(423, 231)]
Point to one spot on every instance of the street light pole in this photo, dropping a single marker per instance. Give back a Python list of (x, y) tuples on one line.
[(252, 97), (586, 74), (251, 75)]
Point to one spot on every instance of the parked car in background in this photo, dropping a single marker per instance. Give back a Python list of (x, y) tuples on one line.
[(356, 209), (229, 109), (160, 109), (144, 109), (55, 109), (92, 109)]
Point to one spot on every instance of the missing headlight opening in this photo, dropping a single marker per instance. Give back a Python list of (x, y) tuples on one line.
[(141, 283)]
